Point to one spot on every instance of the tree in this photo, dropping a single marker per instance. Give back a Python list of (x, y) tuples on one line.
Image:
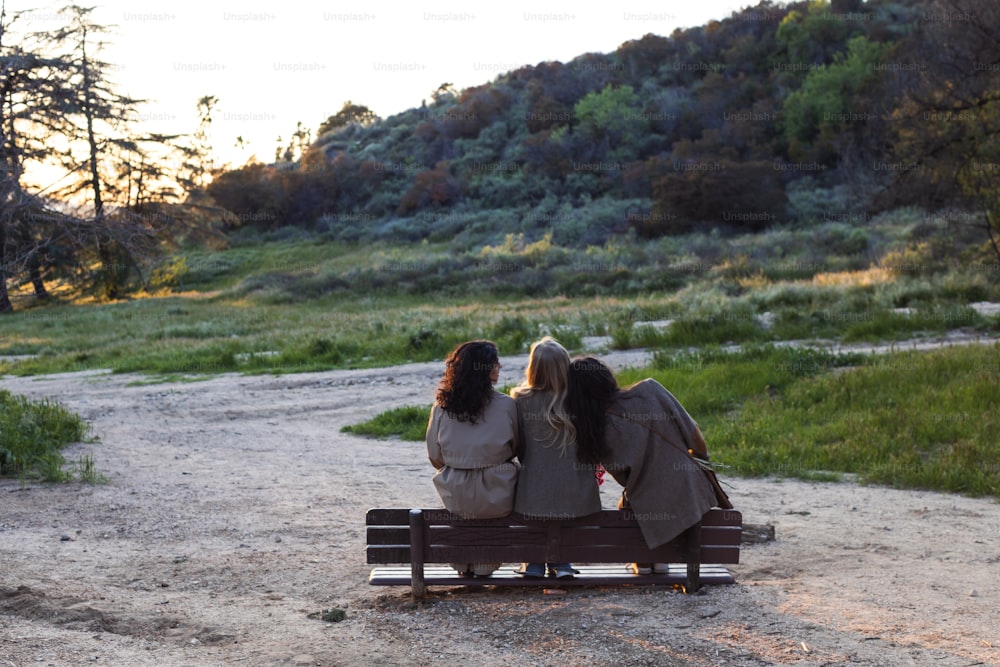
[(58, 107), (348, 114), (13, 66), (433, 187), (30, 86), (253, 193), (811, 36), (612, 117), (197, 163), (644, 57), (947, 124), (301, 139), (444, 93), (101, 116), (834, 106)]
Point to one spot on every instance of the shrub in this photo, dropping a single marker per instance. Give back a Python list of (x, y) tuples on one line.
[(719, 193), (408, 423), (32, 435), (733, 327), (810, 202)]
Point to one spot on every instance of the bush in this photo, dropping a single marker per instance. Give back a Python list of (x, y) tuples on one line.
[(32, 435), (809, 202), (408, 423), (708, 194)]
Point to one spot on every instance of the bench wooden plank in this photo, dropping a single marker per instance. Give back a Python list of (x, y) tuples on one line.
[(384, 554), (628, 536), (399, 517), (590, 575)]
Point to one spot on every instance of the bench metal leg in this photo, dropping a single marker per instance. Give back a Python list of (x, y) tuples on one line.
[(692, 555), (417, 586)]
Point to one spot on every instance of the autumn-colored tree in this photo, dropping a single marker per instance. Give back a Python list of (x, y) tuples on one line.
[(544, 110), (721, 193), (434, 187), (477, 108), (253, 193), (642, 58), (547, 152)]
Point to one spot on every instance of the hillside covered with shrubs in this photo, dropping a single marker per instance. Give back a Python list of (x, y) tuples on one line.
[(811, 111)]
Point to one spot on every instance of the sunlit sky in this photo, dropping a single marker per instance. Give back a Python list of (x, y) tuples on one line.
[(274, 64)]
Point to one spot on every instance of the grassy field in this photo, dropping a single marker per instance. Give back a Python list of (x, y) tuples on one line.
[(305, 303), (308, 304)]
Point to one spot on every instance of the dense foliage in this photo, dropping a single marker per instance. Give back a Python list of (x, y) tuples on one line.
[(720, 126)]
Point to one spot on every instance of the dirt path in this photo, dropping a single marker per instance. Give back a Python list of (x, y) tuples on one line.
[(234, 508)]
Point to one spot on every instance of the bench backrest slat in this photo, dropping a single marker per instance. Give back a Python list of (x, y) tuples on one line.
[(625, 535), (401, 517), (604, 537)]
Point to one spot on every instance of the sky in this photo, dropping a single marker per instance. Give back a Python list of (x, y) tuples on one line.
[(272, 65)]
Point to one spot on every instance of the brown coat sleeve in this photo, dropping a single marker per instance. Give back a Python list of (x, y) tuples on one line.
[(433, 444)]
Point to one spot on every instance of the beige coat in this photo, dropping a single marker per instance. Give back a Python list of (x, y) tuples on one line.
[(475, 476), (553, 484), (649, 433)]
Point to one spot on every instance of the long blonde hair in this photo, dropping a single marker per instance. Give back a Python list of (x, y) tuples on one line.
[(548, 367)]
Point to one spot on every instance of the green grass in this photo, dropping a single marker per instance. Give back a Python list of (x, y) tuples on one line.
[(308, 305), (407, 423), (915, 420), (713, 382), (924, 420), (175, 337), (33, 435)]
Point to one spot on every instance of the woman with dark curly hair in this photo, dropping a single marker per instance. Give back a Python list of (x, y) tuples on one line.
[(648, 442), (471, 440)]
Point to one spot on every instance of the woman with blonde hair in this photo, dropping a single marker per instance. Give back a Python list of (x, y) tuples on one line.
[(552, 484)]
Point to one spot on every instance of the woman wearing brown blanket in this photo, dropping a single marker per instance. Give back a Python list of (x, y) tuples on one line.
[(651, 446)]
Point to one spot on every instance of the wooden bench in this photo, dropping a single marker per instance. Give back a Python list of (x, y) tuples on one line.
[(599, 545)]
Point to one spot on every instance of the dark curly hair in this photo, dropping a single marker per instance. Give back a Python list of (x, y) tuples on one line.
[(466, 387), (591, 388)]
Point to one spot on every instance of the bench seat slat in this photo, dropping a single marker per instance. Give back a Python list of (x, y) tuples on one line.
[(386, 554), (590, 575)]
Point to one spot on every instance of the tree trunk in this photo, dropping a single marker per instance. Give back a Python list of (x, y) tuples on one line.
[(989, 232), (110, 270), (5, 305), (35, 274)]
